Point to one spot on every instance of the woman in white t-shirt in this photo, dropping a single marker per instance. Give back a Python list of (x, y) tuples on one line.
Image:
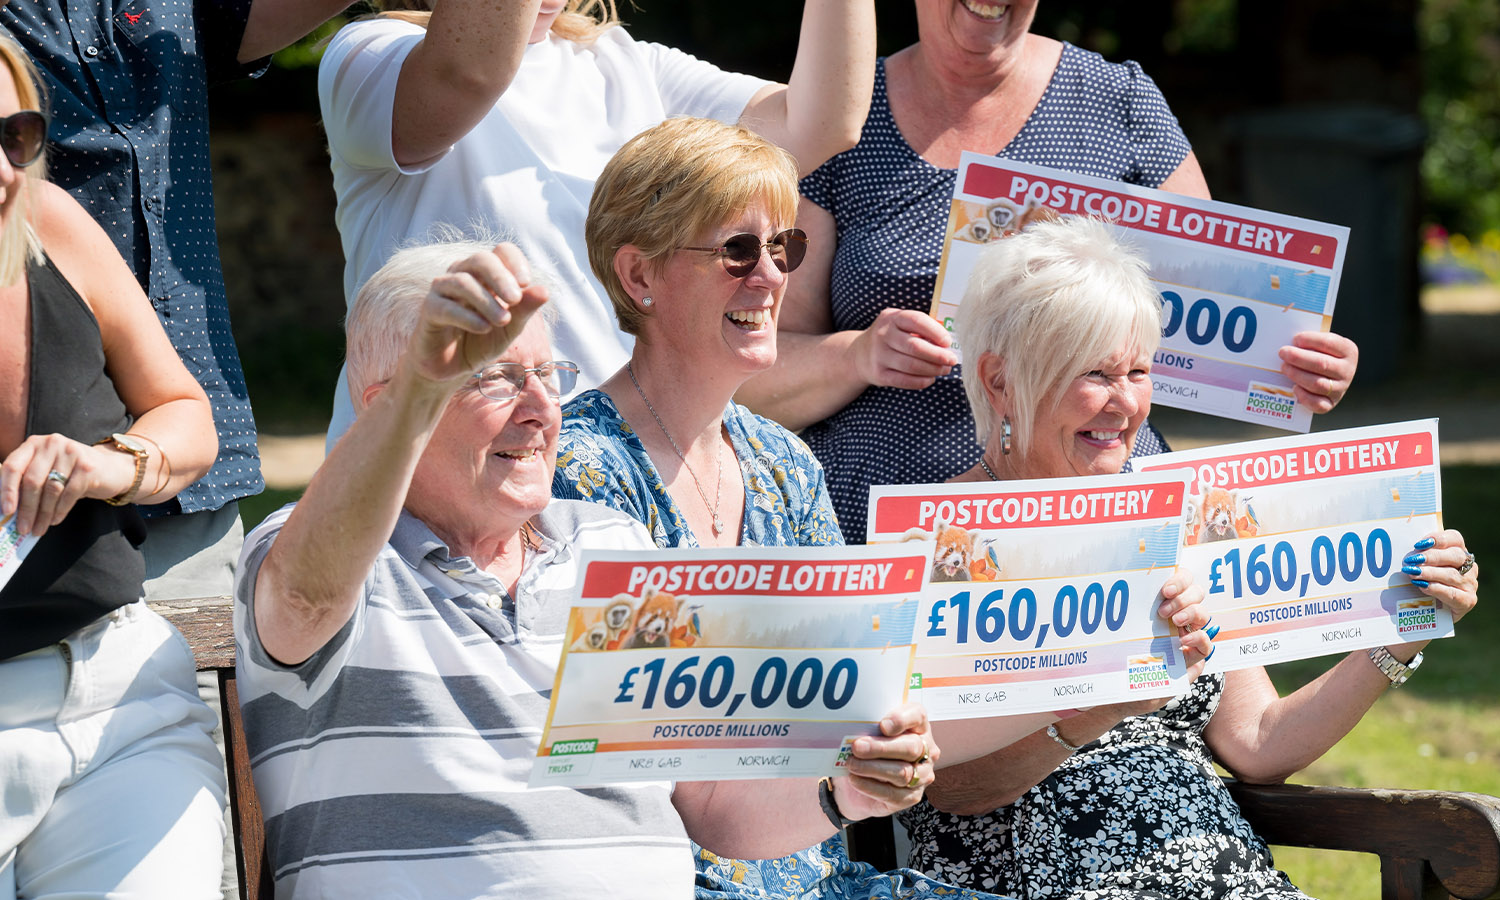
[(498, 117)]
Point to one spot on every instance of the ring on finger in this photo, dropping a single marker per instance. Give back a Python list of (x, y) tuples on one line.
[(924, 759), (916, 778), (1467, 565), (62, 480)]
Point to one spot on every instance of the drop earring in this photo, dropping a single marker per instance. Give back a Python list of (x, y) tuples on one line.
[(1005, 432)]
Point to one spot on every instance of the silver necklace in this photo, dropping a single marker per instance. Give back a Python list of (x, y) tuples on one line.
[(983, 464), (718, 485)]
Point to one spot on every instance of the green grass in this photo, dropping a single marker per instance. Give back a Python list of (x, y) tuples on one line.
[(1439, 732)]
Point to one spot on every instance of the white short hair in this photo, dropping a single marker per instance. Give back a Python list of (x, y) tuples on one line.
[(1052, 303), (384, 312)]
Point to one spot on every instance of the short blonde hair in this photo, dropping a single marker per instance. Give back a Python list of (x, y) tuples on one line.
[(675, 181), (1052, 303), (581, 21), (17, 240)]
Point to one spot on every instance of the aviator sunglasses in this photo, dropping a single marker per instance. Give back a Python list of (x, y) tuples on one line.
[(22, 135), (503, 381), (740, 253)]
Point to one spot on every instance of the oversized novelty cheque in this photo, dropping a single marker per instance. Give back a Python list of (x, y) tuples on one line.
[(1236, 283), (1043, 593), (1299, 540), (712, 664), (13, 547)]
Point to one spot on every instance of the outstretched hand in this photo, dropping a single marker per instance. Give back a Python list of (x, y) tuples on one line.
[(888, 772), (473, 313)]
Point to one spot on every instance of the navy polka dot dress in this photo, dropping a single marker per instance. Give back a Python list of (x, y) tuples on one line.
[(890, 208)]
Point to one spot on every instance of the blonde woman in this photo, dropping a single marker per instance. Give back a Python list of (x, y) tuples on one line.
[(473, 113), (99, 711)]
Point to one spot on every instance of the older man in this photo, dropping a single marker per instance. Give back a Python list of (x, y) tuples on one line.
[(399, 631)]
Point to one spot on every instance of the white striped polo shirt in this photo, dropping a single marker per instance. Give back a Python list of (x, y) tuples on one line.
[(393, 762)]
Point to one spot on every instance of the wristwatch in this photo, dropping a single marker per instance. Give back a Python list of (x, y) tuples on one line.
[(126, 443), (1393, 668), (829, 804)]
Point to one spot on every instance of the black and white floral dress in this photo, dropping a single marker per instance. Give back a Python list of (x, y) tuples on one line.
[(1139, 813)]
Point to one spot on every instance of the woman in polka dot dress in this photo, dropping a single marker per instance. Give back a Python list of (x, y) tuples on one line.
[(863, 372)]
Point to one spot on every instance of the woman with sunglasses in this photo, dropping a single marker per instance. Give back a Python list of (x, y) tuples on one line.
[(111, 781), (689, 231), (501, 116)]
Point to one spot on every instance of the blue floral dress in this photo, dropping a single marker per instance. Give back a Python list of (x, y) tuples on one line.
[(600, 458)]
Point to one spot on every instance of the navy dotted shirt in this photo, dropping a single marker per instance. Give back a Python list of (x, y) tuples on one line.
[(890, 208), (127, 83)]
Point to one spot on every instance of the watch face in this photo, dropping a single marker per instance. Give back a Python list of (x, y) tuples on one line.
[(129, 443)]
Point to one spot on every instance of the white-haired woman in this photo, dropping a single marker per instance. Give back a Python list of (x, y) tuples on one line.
[(1118, 800), (501, 115), (110, 780)]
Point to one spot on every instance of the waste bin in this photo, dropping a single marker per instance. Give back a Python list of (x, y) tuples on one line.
[(1355, 166)]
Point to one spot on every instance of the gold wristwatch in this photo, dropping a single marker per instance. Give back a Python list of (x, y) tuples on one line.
[(126, 443)]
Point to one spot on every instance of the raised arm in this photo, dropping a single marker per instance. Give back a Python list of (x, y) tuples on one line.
[(819, 370), (173, 421), (820, 110), (452, 78), (274, 24), (312, 577), (1264, 738)]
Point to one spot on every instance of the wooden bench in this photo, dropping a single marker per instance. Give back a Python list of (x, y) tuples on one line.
[(207, 623), (1431, 844)]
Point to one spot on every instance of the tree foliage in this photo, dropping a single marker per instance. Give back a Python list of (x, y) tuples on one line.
[(1461, 105)]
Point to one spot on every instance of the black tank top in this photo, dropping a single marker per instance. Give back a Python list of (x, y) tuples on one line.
[(88, 564)]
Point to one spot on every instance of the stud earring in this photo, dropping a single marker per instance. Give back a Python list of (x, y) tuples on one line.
[(1005, 432), (647, 301)]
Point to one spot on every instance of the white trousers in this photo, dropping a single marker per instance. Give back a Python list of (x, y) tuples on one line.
[(110, 786)]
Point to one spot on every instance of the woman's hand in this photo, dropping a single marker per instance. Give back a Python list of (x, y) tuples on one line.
[(904, 348), (1320, 364), (1441, 565), (889, 772), (1182, 605), (43, 478), (473, 313)]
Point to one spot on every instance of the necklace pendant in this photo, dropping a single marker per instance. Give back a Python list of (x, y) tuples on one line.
[(718, 524)]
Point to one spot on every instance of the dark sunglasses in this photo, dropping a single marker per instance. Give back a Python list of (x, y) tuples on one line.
[(503, 381), (23, 135), (740, 253)]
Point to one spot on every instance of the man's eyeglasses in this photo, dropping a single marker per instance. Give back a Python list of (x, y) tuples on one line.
[(22, 135), (503, 381), (740, 253)]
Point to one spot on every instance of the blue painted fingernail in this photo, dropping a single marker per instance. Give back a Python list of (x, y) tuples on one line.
[(1419, 582), (1212, 632), (1423, 544), (1211, 653), (1412, 570), (1416, 559)]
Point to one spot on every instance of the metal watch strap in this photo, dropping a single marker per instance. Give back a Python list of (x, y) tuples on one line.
[(1393, 668), (142, 457)]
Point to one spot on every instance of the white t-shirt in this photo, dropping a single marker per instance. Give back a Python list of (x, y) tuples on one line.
[(526, 170)]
